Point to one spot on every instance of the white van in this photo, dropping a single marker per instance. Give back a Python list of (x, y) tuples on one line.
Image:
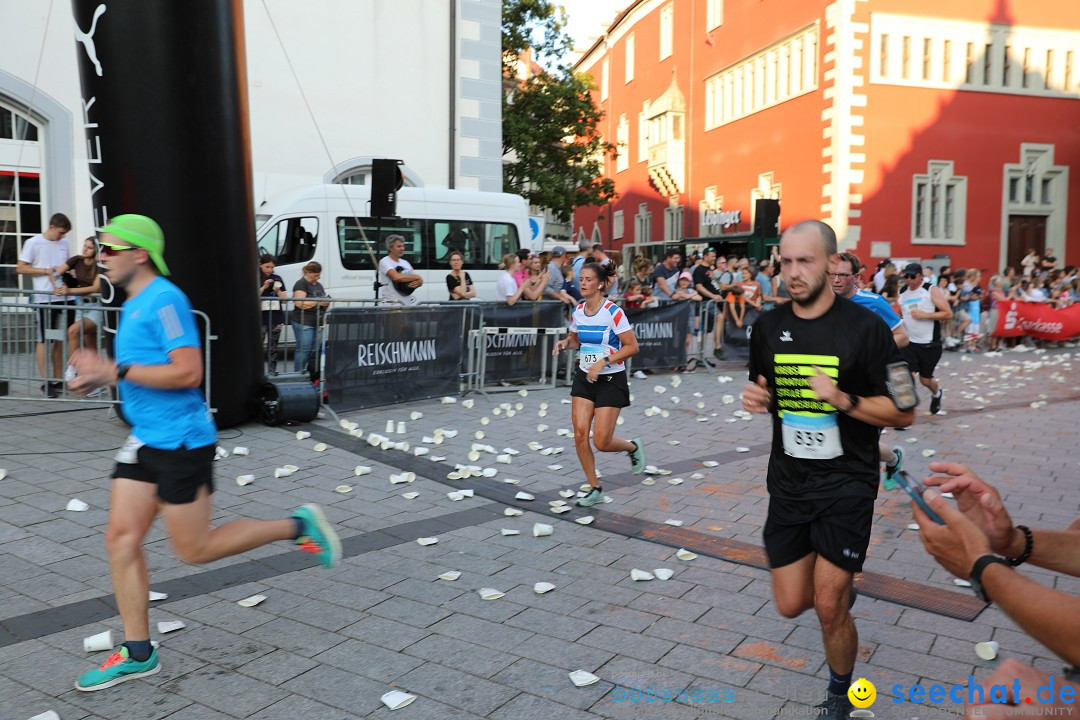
[(322, 223)]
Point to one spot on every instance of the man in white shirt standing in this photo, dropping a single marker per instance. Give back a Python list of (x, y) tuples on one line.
[(41, 257), (397, 278)]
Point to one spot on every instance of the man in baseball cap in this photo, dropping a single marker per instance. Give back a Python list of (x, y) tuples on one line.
[(166, 465), (137, 231)]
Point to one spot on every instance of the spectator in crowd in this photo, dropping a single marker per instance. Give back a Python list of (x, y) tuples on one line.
[(1030, 262), (643, 271), (397, 278), (638, 296), (764, 279), (1037, 292), (971, 298), (569, 288), (891, 291), (928, 274), (80, 279), (704, 287), (684, 292), (536, 280), (596, 252), (1019, 291), (506, 287), (1048, 262), (553, 289), (879, 276), (615, 287), (1008, 278), (727, 273), (40, 258), (522, 271), (272, 292), (753, 293), (666, 272), (780, 293), (997, 296), (979, 542), (736, 307), (306, 313), (458, 281)]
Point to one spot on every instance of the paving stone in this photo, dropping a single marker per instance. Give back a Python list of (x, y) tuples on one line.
[(606, 613), (386, 633), (548, 623), (724, 668), (531, 707), (551, 682), (339, 689), (633, 645), (480, 631), (474, 659), (368, 660), (277, 667), (224, 690), (409, 612), (458, 689)]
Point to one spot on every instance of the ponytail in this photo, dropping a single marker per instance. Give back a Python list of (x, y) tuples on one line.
[(604, 273)]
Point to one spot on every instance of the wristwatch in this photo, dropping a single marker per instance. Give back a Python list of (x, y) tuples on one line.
[(854, 400), (977, 571), (121, 371)]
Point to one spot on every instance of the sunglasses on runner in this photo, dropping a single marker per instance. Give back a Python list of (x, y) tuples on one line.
[(113, 250)]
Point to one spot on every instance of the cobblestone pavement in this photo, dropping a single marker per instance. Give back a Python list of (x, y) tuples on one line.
[(328, 644)]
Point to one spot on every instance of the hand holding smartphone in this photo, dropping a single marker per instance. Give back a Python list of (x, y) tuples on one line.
[(915, 489)]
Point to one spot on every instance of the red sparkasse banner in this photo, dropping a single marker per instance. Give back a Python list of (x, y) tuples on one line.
[(1037, 320)]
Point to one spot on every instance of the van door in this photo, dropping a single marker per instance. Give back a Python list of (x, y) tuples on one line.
[(293, 242)]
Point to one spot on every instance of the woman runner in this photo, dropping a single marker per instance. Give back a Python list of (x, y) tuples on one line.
[(601, 333)]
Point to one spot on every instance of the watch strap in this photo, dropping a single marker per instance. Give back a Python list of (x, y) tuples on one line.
[(122, 370), (977, 571)]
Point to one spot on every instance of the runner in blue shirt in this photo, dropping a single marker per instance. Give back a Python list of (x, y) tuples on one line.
[(166, 465), (845, 284)]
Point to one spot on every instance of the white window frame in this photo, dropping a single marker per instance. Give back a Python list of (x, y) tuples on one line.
[(781, 72), (930, 220), (622, 144), (643, 224), (643, 132), (618, 225), (674, 217), (605, 73), (629, 57), (714, 14), (667, 31)]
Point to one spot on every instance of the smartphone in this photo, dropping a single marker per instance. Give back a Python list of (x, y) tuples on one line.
[(901, 385), (915, 489)]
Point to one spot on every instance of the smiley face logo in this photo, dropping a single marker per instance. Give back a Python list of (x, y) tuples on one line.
[(862, 693)]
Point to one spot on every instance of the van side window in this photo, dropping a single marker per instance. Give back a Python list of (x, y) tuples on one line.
[(291, 241), (357, 248), (483, 243)]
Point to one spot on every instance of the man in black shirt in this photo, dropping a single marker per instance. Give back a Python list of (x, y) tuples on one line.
[(703, 284), (818, 364)]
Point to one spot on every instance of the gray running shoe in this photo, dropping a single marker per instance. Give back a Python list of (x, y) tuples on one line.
[(596, 495), (637, 456)]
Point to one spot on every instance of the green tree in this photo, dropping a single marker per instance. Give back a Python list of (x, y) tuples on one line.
[(549, 119)]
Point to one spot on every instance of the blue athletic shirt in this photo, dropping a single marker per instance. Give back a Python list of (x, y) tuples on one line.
[(879, 305), (154, 323), (601, 329)]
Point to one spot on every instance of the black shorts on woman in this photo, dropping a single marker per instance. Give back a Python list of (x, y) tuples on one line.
[(610, 390)]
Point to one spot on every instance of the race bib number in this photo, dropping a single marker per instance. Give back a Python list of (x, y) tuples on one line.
[(129, 451), (811, 437), (589, 355)]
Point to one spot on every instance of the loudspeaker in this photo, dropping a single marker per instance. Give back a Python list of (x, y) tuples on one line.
[(766, 218), (386, 180), (288, 398)]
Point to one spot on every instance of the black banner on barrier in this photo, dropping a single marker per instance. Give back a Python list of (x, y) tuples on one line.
[(379, 356), (661, 335), (518, 357)]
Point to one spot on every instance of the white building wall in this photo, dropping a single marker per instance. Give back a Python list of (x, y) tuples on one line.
[(376, 74)]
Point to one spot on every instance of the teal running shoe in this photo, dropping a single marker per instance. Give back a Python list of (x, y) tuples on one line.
[(317, 537), (594, 496), (889, 481), (120, 667), (637, 456)]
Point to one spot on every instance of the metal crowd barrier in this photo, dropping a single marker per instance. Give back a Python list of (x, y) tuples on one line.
[(549, 364), (20, 378)]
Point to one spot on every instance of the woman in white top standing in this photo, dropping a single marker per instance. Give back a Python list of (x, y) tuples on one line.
[(506, 288), (604, 340)]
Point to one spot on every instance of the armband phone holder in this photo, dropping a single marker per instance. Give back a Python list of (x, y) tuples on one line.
[(901, 385)]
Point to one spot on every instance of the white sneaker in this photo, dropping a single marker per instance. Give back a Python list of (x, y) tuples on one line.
[(640, 375)]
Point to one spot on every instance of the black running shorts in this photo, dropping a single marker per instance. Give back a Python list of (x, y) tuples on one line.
[(611, 390), (178, 473), (838, 529), (922, 358)]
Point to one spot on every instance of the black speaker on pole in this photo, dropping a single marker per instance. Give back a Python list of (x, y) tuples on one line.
[(766, 218), (386, 180)]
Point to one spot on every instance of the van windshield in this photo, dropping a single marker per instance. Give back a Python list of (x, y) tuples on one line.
[(428, 242)]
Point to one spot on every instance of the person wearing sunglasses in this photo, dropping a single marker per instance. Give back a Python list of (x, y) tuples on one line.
[(924, 308), (166, 465)]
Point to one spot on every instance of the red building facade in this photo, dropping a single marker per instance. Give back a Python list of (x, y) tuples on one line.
[(917, 129)]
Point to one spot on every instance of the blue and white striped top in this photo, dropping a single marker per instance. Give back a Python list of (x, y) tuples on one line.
[(601, 329)]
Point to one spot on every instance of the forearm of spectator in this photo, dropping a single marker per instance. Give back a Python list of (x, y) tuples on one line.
[(1057, 550), (1049, 616)]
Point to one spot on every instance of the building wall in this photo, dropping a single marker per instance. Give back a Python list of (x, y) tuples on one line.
[(849, 150), (380, 78)]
